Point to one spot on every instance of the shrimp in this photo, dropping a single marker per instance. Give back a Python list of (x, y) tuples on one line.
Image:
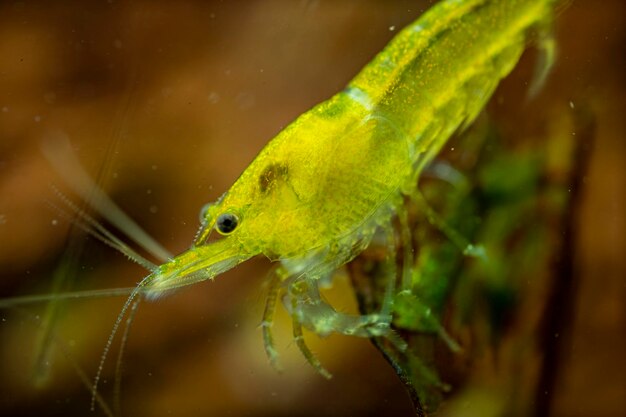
[(317, 194), (334, 179)]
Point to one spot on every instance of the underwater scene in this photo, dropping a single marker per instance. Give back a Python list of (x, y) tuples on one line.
[(313, 208)]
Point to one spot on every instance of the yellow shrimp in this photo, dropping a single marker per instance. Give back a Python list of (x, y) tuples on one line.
[(318, 192), (316, 195)]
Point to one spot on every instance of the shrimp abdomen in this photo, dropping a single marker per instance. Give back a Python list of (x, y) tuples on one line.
[(447, 64)]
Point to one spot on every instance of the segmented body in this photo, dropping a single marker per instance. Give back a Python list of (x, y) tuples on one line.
[(316, 194)]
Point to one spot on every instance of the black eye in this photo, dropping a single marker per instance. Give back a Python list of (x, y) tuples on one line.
[(226, 223)]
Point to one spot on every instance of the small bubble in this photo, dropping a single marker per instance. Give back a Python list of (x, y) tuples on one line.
[(148, 191), (571, 104), (37, 119), (392, 28), (245, 100), (153, 209), (5, 109), (213, 97), (55, 222)]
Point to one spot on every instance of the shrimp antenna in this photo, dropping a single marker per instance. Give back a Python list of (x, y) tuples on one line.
[(94, 228), (71, 295), (129, 302), (58, 151), (117, 390)]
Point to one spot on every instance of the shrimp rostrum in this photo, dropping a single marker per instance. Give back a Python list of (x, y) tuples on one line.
[(318, 193)]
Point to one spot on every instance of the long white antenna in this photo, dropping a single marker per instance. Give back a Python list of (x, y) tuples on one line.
[(57, 149)]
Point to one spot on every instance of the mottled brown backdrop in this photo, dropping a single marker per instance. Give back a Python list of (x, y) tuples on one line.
[(165, 104)]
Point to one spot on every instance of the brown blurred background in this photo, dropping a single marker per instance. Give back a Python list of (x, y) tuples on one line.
[(165, 103)]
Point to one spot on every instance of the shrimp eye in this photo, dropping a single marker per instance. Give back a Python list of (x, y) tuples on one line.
[(226, 223)]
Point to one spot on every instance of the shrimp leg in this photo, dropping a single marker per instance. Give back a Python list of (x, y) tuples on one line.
[(406, 294), (322, 318), (407, 248), (298, 337), (268, 319), (390, 275), (308, 307), (460, 241)]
